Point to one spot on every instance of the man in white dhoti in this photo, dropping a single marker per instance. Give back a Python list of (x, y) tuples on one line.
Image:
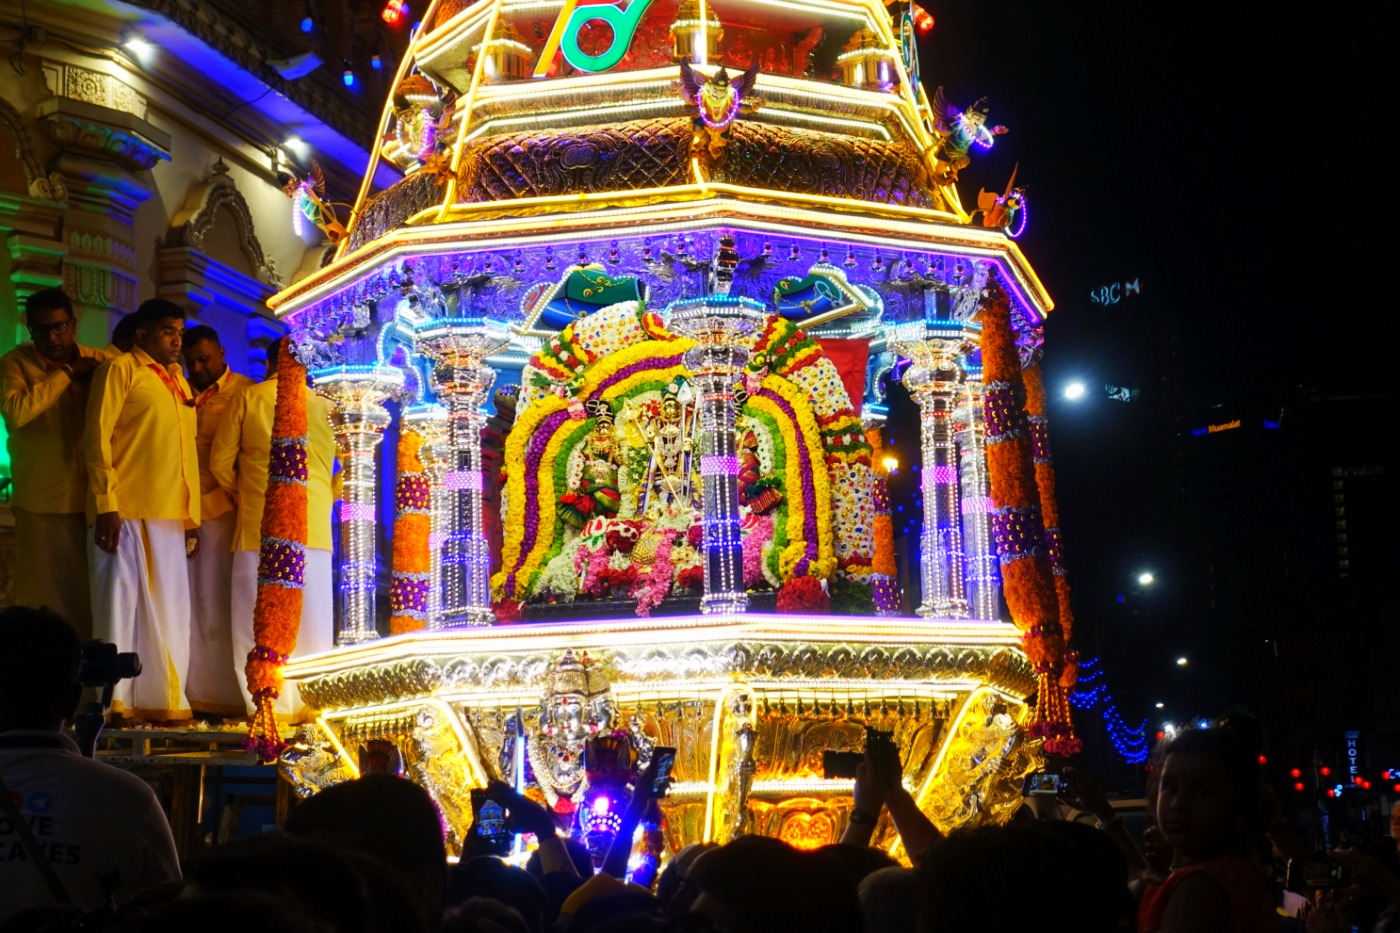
[(143, 502), (212, 686), (43, 395), (238, 460)]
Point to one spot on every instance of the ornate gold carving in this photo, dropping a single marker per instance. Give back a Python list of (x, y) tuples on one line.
[(311, 763), (782, 661), (980, 774), (644, 154)]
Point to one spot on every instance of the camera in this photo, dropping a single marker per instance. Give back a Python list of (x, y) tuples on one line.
[(837, 764), (103, 665), (879, 745)]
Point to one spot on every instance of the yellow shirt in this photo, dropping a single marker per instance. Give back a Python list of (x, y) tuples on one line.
[(209, 409), (43, 411), (238, 460), (139, 442)]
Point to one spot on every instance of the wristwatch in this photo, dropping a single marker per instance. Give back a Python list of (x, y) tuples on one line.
[(860, 818)]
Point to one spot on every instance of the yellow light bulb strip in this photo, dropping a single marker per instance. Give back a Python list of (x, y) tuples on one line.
[(405, 63), (478, 773), (462, 127), (451, 34)]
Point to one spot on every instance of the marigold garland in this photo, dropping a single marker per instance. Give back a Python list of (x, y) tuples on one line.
[(1050, 511), (412, 565), (1027, 578), (281, 557)]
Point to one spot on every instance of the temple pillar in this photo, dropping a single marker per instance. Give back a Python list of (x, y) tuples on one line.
[(358, 422), (459, 347), (980, 559), (933, 381), (106, 153), (723, 328)]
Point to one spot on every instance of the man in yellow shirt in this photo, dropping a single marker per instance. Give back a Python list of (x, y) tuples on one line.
[(43, 395), (123, 336), (212, 684), (238, 460), (143, 501)]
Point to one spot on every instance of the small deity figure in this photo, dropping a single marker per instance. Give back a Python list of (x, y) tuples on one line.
[(669, 433), (718, 101), (419, 112), (961, 130), (596, 494)]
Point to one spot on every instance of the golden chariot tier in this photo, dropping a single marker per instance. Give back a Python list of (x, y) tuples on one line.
[(751, 702), (680, 251)]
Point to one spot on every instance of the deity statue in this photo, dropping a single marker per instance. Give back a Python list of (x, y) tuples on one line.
[(596, 494), (577, 706), (668, 430)]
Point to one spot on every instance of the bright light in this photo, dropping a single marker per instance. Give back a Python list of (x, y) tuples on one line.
[(1146, 578), (891, 464), (140, 48), (394, 11), (1182, 662), (1075, 391), (1160, 705), (348, 77), (307, 24), (296, 146), (376, 62)]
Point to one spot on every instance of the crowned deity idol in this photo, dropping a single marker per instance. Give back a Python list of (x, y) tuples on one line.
[(577, 705)]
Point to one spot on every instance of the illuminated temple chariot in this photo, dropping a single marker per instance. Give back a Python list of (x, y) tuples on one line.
[(681, 250)]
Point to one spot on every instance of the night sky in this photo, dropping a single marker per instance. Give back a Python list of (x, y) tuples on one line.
[(1196, 152)]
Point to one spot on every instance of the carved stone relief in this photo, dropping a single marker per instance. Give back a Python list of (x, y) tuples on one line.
[(49, 187)]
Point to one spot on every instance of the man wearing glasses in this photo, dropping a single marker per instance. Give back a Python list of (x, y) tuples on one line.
[(44, 388)]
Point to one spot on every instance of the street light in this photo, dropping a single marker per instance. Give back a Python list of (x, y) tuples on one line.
[(1160, 705), (1075, 391), (1146, 578), (1182, 661)]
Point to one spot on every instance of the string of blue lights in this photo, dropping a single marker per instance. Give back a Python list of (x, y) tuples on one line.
[(1092, 693)]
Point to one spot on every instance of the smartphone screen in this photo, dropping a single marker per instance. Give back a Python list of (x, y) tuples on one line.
[(489, 823), (665, 762), (1043, 784)]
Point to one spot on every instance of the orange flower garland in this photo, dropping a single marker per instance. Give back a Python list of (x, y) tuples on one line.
[(1027, 578), (1050, 511), (281, 557), (408, 592)]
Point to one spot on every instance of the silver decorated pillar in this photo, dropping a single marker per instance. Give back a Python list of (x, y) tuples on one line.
[(934, 381), (980, 561), (723, 328), (459, 347), (358, 422)]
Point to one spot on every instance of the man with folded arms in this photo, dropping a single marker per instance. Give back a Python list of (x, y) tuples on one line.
[(43, 395)]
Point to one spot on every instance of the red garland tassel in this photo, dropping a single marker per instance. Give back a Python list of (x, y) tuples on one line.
[(1027, 576)]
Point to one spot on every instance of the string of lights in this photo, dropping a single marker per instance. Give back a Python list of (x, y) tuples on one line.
[(1133, 745)]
